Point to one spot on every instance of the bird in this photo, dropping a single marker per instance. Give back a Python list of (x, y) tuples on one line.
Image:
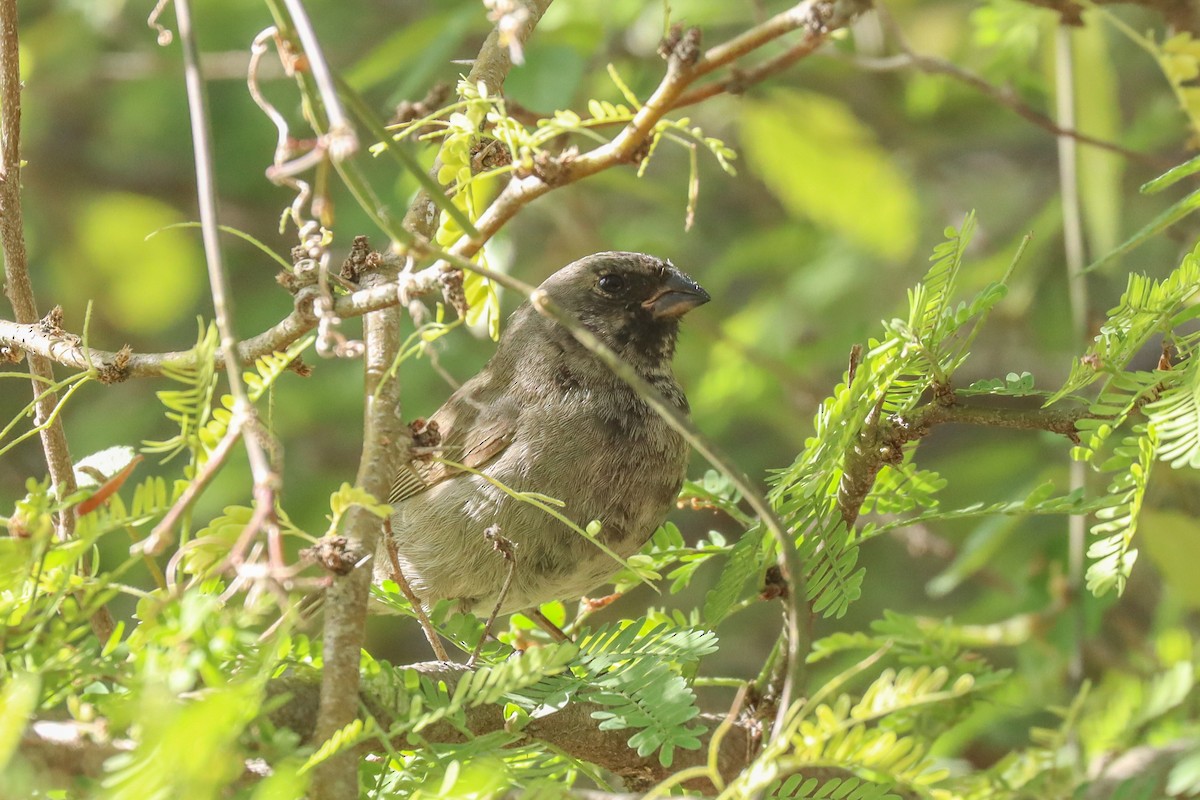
[(545, 415)]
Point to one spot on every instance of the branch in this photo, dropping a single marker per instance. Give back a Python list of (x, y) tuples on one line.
[(20, 290), (70, 749), (266, 477), (346, 600), (932, 65), (16, 266), (61, 750), (491, 67), (48, 340), (570, 729), (685, 64), (340, 140), (882, 440), (1180, 14), (817, 17)]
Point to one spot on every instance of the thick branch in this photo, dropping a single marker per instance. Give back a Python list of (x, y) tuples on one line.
[(60, 751), (346, 599), (19, 288), (571, 729), (882, 440)]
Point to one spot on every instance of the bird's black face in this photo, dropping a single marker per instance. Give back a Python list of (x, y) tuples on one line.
[(632, 301)]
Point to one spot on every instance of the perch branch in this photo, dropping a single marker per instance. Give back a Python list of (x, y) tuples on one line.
[(70, 749)]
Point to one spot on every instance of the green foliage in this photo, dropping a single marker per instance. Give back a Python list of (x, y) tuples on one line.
[(798, 787), (632, 670), (1011, 385), (745, 562), (1167, 397), (1148, 307), (481, 145), (189, 408), (916, 354), (1113, 555), (873, 736), (1175, 417), (631, 675)]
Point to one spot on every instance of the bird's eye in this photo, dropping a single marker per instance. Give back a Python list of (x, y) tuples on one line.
[(611, 284)]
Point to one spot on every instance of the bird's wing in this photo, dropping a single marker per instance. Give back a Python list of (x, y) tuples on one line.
[(474, 427)]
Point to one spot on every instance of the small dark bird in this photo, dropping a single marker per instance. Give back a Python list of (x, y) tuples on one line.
[(546, 416)]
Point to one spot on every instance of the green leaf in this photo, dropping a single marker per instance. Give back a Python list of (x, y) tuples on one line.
[(1175, 417), (347, 497), (743, 564)]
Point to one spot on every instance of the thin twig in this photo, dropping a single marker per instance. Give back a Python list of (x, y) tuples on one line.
[(341, 140), (506, 549), (163, 531), (909, 59), (266, 478), (545, 623), (418, 608)]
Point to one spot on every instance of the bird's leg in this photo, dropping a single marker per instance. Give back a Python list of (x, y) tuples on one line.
[(506, 548), (426, 626), (556, 633)]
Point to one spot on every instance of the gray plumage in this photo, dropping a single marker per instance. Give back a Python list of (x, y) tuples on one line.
[(546, 416)]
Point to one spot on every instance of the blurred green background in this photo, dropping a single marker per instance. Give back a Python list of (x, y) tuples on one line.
[(846, 179)]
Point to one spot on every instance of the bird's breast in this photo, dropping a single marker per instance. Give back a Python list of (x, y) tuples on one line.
[(607, 455)]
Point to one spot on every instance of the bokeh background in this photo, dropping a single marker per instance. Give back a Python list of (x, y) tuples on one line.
[(846, 177)]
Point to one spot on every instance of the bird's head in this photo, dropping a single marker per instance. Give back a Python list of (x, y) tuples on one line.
[(631, 301)]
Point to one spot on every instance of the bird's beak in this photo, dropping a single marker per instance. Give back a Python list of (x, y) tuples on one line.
[(677, 295)]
